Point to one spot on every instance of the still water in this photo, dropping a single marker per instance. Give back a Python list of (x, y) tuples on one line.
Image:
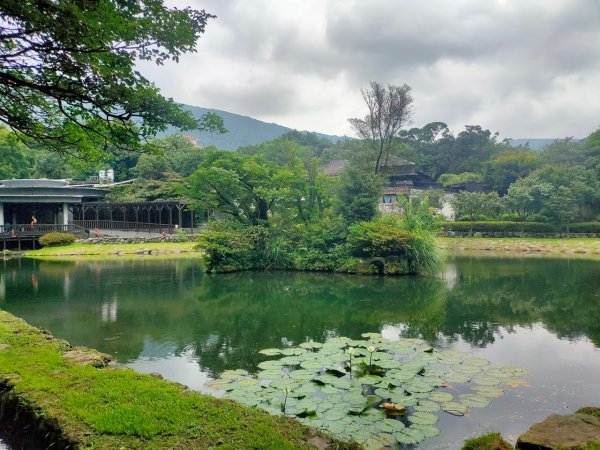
[(167, 316)]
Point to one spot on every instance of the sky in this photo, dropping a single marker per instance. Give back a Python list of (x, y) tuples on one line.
[(523, 68)]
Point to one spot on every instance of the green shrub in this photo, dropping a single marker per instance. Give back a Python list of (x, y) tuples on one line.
[(233, 248), (386, 238), (494, 227), (55, 238), (379, 239), (585, 227)]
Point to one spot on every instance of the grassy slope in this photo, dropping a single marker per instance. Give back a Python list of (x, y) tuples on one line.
[(583, 247), (114, 249), (113, 408)]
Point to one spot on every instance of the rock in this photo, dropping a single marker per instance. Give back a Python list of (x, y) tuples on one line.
[(4, 346), (477, 234), (572, 431), (85, 357)]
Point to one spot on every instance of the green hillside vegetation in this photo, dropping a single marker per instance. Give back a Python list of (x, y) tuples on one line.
[(241, 130)]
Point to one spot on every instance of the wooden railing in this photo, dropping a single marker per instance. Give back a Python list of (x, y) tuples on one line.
[(23, 231), (124, 226)]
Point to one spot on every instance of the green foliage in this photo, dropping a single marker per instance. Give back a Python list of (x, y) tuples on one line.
[(450, 179), (507, 167), (73, 64), (150, 167), (55, 239), (585, 227), (391, 237), (14, 159), (369, 239), (476, 205), (492, 227), (359, 193), (231, 247), (561, 193)]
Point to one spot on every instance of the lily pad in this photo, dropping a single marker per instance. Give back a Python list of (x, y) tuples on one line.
[(440, 397), (486, 380), (489, 391), (270, 374), (409, 436), (270, 365), (311, 345), (479, 362), (427, 406), (474, 401), (457, 377), (301, 374), (429, 431), (423, 418), (293, 351), (454, 408), (270, 351)]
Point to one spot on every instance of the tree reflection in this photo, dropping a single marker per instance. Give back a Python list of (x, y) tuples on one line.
[(151, 308)]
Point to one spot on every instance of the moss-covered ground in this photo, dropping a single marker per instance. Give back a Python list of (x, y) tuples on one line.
[(112, 408), (492, 441), (572, 248)]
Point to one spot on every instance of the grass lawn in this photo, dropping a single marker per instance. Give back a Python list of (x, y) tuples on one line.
[(579, 247), (112, 408), (115, 249)]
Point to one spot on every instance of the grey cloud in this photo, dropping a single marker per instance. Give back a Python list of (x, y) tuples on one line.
[(500, 62), (261, 99)]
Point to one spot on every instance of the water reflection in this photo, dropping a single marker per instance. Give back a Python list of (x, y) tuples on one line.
[(223, 320), (168, 317)]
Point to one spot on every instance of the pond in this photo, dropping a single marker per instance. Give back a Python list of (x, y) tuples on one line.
[(542, 315)]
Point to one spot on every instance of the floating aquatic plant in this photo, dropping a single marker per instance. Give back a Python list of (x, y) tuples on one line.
[(373, 391)]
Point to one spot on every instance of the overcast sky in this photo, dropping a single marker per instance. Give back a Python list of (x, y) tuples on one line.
[(524, 68)]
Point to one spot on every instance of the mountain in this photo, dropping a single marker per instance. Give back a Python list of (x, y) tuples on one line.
[(241, 130), (534, 144)]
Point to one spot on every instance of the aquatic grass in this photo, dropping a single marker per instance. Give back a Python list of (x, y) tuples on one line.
[(107, 408)]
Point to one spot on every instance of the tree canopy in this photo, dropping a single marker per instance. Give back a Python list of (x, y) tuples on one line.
[(67, 71), (389, 110)]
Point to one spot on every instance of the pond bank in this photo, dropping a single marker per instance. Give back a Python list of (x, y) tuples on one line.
[(91, 249), (74, 398), (588, 248)]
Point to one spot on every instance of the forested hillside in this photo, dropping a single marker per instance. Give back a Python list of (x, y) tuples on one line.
[(241, 130)]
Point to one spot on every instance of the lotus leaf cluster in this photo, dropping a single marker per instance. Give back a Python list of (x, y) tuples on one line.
[(373, 391)]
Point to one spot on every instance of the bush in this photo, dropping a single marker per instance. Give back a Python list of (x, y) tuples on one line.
[(496, 227), (384, 238), (585, 227), (230, 247), (56, 239), (372, 239)]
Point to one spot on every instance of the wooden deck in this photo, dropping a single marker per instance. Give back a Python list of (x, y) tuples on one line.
[(16, 235)]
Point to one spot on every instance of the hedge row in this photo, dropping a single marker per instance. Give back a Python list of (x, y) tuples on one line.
[(585, 227), (517, 227)]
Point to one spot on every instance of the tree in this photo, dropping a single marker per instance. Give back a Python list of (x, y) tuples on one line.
[(14, 160), (243, 187), (506, 167), (476, 205), (68, 78), (359, 194), (389, 110)]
